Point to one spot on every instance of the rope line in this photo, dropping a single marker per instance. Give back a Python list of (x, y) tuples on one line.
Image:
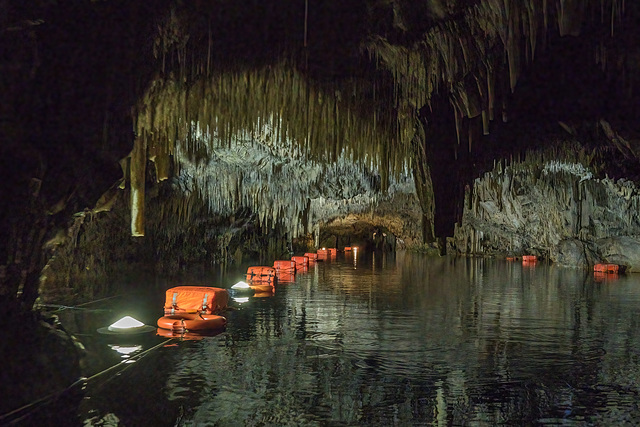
[(84, 381), (60, 307), (77, 307)]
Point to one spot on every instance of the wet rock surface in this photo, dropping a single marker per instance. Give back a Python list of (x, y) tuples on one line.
[(554, 209)]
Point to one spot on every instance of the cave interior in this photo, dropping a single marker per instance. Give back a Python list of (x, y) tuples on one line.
[(176, 132)]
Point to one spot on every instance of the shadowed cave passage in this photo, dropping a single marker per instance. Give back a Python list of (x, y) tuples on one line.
[(366, 236)]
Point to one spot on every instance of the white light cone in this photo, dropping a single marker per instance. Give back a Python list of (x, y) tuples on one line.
[(127, 322), (241, 285)]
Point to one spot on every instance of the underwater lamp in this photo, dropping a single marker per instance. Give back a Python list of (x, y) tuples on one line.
[(126, 325)]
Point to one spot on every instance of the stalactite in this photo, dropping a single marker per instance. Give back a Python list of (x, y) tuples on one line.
[(319, 121), (137, 176)]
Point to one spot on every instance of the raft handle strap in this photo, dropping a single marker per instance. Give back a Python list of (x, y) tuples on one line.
[(174, 304)]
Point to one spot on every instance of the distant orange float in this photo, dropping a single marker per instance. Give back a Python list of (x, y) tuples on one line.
[(261, 274), (284, 266), (300, 261), (312, 256), (606, 268)]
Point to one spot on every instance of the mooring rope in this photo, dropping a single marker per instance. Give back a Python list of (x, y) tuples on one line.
[(61, 307), (31, 407)]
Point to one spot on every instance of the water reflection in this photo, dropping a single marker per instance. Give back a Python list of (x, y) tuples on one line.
[(126, 351), (406, 340)]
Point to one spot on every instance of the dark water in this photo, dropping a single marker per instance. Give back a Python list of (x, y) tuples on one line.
[(380, 340)]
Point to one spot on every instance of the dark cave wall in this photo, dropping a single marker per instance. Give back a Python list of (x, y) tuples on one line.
[(69, 76)]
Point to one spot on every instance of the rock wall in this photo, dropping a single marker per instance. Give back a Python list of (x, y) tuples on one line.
[(554, 209)]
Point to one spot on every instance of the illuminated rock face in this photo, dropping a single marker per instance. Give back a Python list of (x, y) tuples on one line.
[(557, 210), (304, 140), (317, 121), (281, 185)]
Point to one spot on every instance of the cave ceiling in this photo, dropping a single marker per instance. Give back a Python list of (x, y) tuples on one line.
[(304, 111)]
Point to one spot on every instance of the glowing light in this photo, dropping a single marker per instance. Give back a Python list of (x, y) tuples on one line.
[(127, 322), (241, 285), (126, 325), (125, 351), (241, 300)]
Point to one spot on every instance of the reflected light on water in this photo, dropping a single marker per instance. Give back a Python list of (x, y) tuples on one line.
[(125, 351), (404, 340)]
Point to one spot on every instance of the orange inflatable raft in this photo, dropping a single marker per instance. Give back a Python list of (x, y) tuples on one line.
[(194, 308), (606, 268), (313, 257), (282, 266), (261, 274), (192, 299), (193, 322), (301, 261)]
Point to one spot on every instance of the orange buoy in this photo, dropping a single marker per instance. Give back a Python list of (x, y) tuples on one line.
[(261, 274), (312, 256), (282, 266), (192, 299), (323, 254), (606, 268), (191, 322), (300, 260), (529, 258)]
